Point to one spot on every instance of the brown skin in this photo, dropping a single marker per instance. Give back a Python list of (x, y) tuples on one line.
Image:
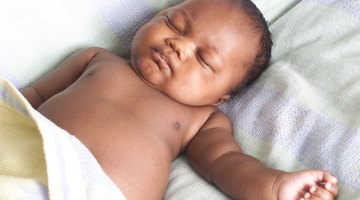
[(137, 116)]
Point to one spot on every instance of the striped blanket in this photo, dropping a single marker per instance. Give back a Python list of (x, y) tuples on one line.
[(303, 112)]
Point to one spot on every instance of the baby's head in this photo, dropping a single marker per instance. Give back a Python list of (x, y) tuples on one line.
[(200, 51)]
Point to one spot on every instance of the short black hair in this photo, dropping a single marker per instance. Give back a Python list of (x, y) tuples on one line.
[(263, 56)]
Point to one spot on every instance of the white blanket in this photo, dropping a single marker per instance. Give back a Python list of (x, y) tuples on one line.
[(303, 112)]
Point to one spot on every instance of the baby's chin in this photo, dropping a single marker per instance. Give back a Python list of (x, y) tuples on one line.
[(187, 99)]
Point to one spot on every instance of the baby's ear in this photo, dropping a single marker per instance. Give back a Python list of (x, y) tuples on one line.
[(222, 99)]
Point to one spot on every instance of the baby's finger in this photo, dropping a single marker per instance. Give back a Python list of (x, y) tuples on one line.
[(315, 198), (320, 193), (330, 187), (334, 190), (329, 178), (308, 196)]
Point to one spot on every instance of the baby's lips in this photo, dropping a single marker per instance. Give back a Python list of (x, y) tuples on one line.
[(160, 59)]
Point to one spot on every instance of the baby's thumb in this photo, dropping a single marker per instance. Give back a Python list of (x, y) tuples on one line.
[(328, 182)]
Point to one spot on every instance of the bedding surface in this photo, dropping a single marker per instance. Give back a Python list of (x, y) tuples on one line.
[(303, 112)]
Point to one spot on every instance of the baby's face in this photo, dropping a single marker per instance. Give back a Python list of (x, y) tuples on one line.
[(195, 52)]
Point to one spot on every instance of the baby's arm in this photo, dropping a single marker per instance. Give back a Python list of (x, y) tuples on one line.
[(214, 153), (60, 78)]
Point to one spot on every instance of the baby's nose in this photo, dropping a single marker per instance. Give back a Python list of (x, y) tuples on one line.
[(183, 47)]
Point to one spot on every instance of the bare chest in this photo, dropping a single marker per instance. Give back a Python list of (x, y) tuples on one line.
[(115, 107)]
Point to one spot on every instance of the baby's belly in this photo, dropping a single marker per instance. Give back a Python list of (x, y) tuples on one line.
[(134, 147)]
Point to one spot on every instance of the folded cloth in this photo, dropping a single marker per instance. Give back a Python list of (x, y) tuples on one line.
[(39, 160)]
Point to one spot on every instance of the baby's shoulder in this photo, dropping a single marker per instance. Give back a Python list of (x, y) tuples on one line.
[(217, 119), (107, 61), (209, 117), (104, 55), (204, 119)]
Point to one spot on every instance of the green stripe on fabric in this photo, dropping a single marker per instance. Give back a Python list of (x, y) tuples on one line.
[(316, 62), (37, 35), (161, 4), (271, 154)]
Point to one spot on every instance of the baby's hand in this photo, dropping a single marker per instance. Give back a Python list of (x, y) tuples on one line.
[(308, 185), (323, 190)]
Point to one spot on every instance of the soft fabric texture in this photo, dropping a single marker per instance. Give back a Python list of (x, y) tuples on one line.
[(39, 160), (303, 112)]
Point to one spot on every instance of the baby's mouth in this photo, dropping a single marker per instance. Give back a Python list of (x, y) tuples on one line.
[(160, 58)]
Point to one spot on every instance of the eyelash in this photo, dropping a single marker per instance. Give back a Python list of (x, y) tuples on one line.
[(171, 25), (174, 28), (201, 59)]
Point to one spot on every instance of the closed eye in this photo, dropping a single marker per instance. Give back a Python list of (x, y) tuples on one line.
[(172, 26), (203, 61)]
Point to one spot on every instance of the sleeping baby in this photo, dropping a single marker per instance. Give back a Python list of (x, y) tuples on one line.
[(136, 116)]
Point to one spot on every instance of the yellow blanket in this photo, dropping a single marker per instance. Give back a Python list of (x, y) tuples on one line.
[(39, 160)]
